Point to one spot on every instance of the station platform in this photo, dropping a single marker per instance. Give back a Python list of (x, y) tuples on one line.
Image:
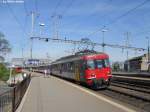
[(56, 95)]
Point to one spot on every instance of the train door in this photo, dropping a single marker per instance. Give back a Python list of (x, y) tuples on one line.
[(82, 70), (77, 71)]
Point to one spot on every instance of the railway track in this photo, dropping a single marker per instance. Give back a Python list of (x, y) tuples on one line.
[(140, 88), (133, 81), (131, 94)]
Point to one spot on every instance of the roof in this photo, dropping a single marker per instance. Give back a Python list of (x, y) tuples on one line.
[(135, 58), (86, 54), (95, 56)]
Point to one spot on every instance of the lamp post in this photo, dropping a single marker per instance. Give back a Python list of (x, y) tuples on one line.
[(41, 25), (103, 32)]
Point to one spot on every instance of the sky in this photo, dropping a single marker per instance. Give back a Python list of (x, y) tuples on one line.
[(78, 19)]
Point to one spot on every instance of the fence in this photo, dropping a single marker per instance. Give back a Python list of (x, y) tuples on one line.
[(10, 99)]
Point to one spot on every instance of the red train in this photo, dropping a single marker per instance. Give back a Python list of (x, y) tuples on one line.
[(90, 68), (18, 69)]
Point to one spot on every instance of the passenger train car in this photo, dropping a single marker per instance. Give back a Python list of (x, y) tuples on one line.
[(87, 67)]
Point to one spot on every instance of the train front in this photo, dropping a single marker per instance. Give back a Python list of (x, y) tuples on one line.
[(97, 70)]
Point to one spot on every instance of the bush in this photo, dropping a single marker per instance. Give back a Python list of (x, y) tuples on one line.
[(4, 72)]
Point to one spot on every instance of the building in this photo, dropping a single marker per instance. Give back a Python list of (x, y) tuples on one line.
[(139, 63), (18, 61), (145, 65), (23, 62)]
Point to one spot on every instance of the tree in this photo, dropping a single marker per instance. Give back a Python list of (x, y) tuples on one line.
[(2, 59), (4, 45), (116, 66), (4, 49), (4, 72)]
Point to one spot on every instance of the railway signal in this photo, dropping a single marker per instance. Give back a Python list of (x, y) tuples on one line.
[(46, 39), (41, 26)]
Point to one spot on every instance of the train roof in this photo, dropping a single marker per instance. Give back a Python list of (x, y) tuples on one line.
[(86, 54)]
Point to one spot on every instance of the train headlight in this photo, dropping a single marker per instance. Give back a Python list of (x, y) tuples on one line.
[(109, 73), (25, 75), (92, 76)]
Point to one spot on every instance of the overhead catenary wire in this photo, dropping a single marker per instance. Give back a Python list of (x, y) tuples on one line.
[(142, 32), (15, 18), (66, 10), (36, 6), (25, 7), (55, 18), (25, 23), (22, 27), (26, 15), (120, 17), (128, 12), (69, 5), (87, 43), (56, 7), (91, 15)]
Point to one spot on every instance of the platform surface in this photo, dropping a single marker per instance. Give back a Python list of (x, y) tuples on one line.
[(56, 95)]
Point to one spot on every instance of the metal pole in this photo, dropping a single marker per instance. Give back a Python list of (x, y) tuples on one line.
[(31, 47), (32, 17), (41, 26), (148, 57), (10, 74), (32, 33), (103, 32), (40, 30), (127, 45), (103, 41), (56, 23)]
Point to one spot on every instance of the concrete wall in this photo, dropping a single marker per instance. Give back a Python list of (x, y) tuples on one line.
[(144, 64)]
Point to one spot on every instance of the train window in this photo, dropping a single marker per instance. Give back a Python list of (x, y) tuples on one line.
[(65, 67), (62, 67), (90, 64), (71, 66), (102, 63), (68, 66), (107, 63), (99, 63)]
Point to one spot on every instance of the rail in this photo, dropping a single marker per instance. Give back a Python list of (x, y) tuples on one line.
[(130, 93), (10, 99)]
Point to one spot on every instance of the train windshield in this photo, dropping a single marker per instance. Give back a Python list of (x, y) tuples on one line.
[(102, 63), (90, 64)]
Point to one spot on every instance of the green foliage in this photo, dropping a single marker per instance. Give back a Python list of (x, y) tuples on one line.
[(4, 72), (4, 45), (4, 49), (116, 66)]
